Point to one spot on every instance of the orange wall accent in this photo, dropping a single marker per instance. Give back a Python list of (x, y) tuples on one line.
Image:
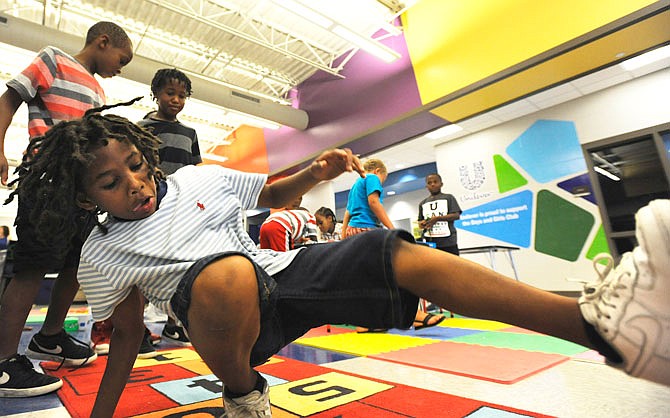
[(247, 151)]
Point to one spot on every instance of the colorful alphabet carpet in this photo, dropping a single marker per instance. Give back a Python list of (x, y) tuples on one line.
[(177, 383)]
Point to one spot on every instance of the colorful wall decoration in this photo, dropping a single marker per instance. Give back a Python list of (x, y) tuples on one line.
[(547, 152)]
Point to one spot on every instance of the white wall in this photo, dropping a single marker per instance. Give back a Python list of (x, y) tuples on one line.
[(321, 195), (404, 206), (637, 104)]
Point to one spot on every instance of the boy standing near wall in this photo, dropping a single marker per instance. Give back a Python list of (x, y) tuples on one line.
[(56, 87), (437, 214)]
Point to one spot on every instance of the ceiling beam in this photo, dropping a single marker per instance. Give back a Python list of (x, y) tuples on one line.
[(32, 36)]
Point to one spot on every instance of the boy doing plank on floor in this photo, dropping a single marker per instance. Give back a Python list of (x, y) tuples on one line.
[(241, 304)]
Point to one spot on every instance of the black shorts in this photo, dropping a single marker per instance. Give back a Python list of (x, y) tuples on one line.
[(32, 254), (344, 282)]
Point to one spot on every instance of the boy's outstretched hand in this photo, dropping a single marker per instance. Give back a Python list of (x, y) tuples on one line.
[(334, 162)]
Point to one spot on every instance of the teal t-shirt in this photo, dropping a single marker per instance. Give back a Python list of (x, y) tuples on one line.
[(361, 216)]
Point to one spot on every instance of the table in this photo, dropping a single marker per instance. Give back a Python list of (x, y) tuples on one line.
[(491, 250)]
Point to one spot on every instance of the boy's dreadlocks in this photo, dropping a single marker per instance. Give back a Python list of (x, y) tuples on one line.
[(53, 168)]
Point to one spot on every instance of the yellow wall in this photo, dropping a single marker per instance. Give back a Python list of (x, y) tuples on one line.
[(454, 44)]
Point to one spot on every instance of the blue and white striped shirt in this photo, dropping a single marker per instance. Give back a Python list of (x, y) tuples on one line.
[(201, 214)]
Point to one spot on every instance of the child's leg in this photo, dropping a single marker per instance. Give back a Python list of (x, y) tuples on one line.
[(17, 301), (63, 293), (625, 314), (224, 320), (470, 289)]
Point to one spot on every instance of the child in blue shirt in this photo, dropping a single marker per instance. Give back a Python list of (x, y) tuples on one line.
[(365, 210)]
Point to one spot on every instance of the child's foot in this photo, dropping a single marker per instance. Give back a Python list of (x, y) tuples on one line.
[(630, 305), (20, 380), (176, 335), (147, 349), (62, 348), (101, 333), (429, 320), (254, 404)]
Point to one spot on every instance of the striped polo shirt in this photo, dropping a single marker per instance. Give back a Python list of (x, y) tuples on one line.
[(200, 214), (56, 87), (179, 143)]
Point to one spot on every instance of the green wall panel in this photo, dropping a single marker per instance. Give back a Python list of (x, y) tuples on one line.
[(561, 228), (599, 244), (508, 177)]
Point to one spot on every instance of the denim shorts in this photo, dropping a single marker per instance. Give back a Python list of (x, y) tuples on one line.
[(30, 253), (343, 282)]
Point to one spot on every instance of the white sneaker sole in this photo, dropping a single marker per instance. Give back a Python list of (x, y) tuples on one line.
[(148, 355), (35, 355), (101, 349), (29, 392)]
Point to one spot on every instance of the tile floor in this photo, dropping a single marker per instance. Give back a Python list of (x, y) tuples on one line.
[(571, 389)]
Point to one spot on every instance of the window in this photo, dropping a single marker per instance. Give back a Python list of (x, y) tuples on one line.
[(627, 172)]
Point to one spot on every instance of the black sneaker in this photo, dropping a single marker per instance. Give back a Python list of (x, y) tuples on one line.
[(176, 335), (18, 379), (62, 348), (147, 349)]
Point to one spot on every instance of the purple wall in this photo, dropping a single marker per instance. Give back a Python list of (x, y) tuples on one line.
[(352, 110)]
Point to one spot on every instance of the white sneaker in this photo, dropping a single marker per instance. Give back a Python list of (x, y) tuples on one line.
[(630, 305), (252, 405)]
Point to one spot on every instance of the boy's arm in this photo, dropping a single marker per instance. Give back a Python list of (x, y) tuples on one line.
[(421, 219), (345, 223), (9, 104), (378, 209), (327, 166), (451, 216), (124, 345)]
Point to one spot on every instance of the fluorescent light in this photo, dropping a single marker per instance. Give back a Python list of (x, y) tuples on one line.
[(304, 11), (390, 193), (606, 173), (646, 58), (444, 131), (375, 48)]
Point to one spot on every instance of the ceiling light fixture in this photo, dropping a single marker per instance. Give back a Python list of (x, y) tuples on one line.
[(444, 131), (606, 173), (371, 46), (646, 58), (380, 51)]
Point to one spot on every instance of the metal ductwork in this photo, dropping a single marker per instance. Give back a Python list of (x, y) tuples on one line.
[(32, 36)]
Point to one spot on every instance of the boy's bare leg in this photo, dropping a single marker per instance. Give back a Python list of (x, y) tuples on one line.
[(224, 320), (63, 293), (16, 304), (467, 288)]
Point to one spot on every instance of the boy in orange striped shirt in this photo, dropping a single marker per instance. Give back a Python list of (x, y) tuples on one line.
[(56, 86)]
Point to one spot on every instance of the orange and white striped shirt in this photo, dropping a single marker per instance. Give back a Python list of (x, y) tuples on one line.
[(56, 87)]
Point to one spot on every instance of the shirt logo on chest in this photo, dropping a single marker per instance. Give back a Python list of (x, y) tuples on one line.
[(200, 205)]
